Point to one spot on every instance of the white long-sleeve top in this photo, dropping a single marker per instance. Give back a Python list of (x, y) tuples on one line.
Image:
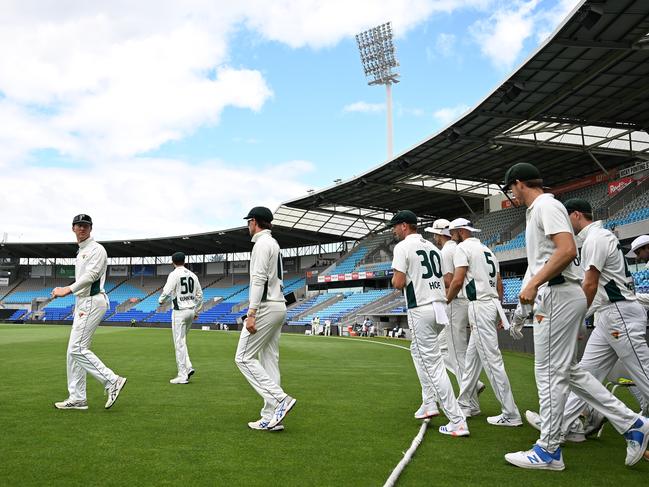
[(89, 269), (183, 288), (266, 270)]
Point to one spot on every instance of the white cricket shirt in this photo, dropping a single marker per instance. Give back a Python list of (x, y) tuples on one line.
[(184, 290), (482, 269), (266, 271), (448, 267), (545, 217), (89, 269), (603, 251), (421, 262)]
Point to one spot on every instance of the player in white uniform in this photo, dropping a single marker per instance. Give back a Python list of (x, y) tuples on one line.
[(417, 269), (90, 308), (552, 284), (640, 252), (478, 272), (258, 351), (620, 321), (185, 292), (455, 333)]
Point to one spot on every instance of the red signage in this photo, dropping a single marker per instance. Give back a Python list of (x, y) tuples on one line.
[(617, 186)]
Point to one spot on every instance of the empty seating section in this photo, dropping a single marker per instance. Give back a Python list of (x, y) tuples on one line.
[(305, 305), (635, 211), (595, 195), (293, 284), (349, 262), (137, 290), (641, 279), (512, 288), (375, 267), (350, 302), (17, 315), (496, 222), (35, 288), (516, 243), (222, 311)]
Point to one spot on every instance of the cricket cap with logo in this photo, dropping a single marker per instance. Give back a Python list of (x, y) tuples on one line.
[(521, 171), (260, 213), (83, 218), (640, 241), (462, 224), (404, 216), (440, 227)]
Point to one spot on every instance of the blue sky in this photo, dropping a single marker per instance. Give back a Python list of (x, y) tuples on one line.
[(188, 115)]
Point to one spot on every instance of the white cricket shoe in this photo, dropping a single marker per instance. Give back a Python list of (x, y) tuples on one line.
[(70, 404), (190, 373), (534, 419), (537, 459), (282, 409), (262, 424), (480, 387), (426, 411), (455, 429), (114, 390), (179, 380), (502, 420), (637, 438)]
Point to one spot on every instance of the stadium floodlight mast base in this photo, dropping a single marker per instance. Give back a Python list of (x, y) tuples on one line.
[(379, 59)]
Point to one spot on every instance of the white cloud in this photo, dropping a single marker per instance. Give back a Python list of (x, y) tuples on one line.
[(502, 35), (447, 115), (142, 198), (364, 107), (101, 83), (318, 23)]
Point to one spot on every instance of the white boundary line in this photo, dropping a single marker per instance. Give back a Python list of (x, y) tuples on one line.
[(407, 456)]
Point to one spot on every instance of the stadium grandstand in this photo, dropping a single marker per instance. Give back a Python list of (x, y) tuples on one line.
[(577, 109)]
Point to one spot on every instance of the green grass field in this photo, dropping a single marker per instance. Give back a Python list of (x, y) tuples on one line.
[(350, 426)]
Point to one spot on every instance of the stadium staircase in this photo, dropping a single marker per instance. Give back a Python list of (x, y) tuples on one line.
[(375, 307), (324, 302)]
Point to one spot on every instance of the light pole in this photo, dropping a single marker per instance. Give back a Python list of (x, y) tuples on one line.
[(378, 58)]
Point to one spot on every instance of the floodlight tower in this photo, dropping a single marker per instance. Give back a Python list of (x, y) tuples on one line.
[(378, 58)]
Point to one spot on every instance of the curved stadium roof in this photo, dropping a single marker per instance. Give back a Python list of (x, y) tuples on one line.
[(577, 106)]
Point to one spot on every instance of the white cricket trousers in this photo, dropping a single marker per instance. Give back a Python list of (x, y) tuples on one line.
[(619, 333), (484, 317), (426, 355), (88, 313), (561, 309), (258, 355), (181, 323)]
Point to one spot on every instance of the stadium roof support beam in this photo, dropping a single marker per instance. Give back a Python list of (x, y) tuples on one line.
[(569, 120)]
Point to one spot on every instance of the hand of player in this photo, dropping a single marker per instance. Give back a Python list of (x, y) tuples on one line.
[(528, 294), (250, 324), (195, 316), (59, 292)]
